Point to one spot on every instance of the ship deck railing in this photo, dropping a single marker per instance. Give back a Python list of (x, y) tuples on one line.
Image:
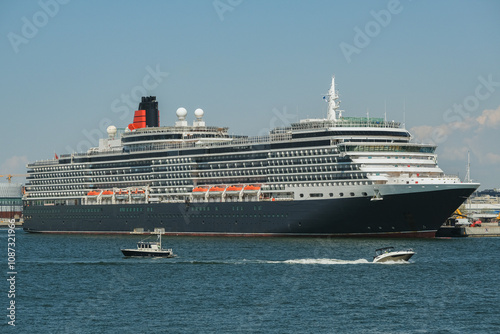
[(179, 129), (348, 122)]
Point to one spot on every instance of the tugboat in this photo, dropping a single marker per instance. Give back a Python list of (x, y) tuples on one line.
[(149, 249), (389, 254)]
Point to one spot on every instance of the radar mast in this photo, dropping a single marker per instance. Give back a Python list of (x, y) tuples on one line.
[(333, 104)]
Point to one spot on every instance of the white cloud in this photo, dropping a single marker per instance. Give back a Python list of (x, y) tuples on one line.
[(493, 158), (14, 165), (437, 134), (478, 135), (489, 118)]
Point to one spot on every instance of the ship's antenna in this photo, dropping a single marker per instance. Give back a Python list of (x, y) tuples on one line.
[(333, 105), (467, 176), (385, 111), (404, 113)]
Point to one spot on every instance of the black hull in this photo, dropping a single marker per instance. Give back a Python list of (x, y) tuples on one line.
[(411, 214), (136, 253)]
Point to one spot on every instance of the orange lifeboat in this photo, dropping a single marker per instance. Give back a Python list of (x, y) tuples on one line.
[(217, 189), (138, 194), (200, 191), (251, 188), (234, 188), (121, 194), (93, 193), (107, 194)]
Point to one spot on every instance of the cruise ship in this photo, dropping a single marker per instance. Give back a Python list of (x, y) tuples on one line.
[(335, 176)]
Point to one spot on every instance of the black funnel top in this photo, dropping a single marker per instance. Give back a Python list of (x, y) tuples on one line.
[(150, 104)]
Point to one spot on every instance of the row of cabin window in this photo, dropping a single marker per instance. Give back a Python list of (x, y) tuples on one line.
[(332, 195), (317, 177), (313, 169)]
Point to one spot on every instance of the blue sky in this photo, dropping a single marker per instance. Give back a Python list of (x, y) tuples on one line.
[(69, 68)]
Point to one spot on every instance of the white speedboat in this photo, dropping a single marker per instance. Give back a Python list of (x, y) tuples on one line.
[(390, 254), (149, 249)]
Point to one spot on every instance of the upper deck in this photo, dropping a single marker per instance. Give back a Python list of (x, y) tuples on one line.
[(174, 138)]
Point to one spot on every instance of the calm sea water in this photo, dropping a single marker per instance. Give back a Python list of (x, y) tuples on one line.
[(83, 284)]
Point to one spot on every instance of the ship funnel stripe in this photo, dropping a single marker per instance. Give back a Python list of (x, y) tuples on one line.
[(140, 119)]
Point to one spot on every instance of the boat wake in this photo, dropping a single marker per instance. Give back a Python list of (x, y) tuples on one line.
[(321, 261), (292, 261)]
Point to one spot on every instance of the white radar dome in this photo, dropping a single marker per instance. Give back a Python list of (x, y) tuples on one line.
[(181, 113), (198, 113), (111, 129)]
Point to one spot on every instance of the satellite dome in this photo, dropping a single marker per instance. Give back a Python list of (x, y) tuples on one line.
[(111, 131), (198, 113), (181, 113)]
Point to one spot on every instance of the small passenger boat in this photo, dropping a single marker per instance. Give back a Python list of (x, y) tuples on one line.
[(390, 254), (149, 249)]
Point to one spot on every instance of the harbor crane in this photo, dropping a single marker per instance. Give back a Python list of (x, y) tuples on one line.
[(10, 176)]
